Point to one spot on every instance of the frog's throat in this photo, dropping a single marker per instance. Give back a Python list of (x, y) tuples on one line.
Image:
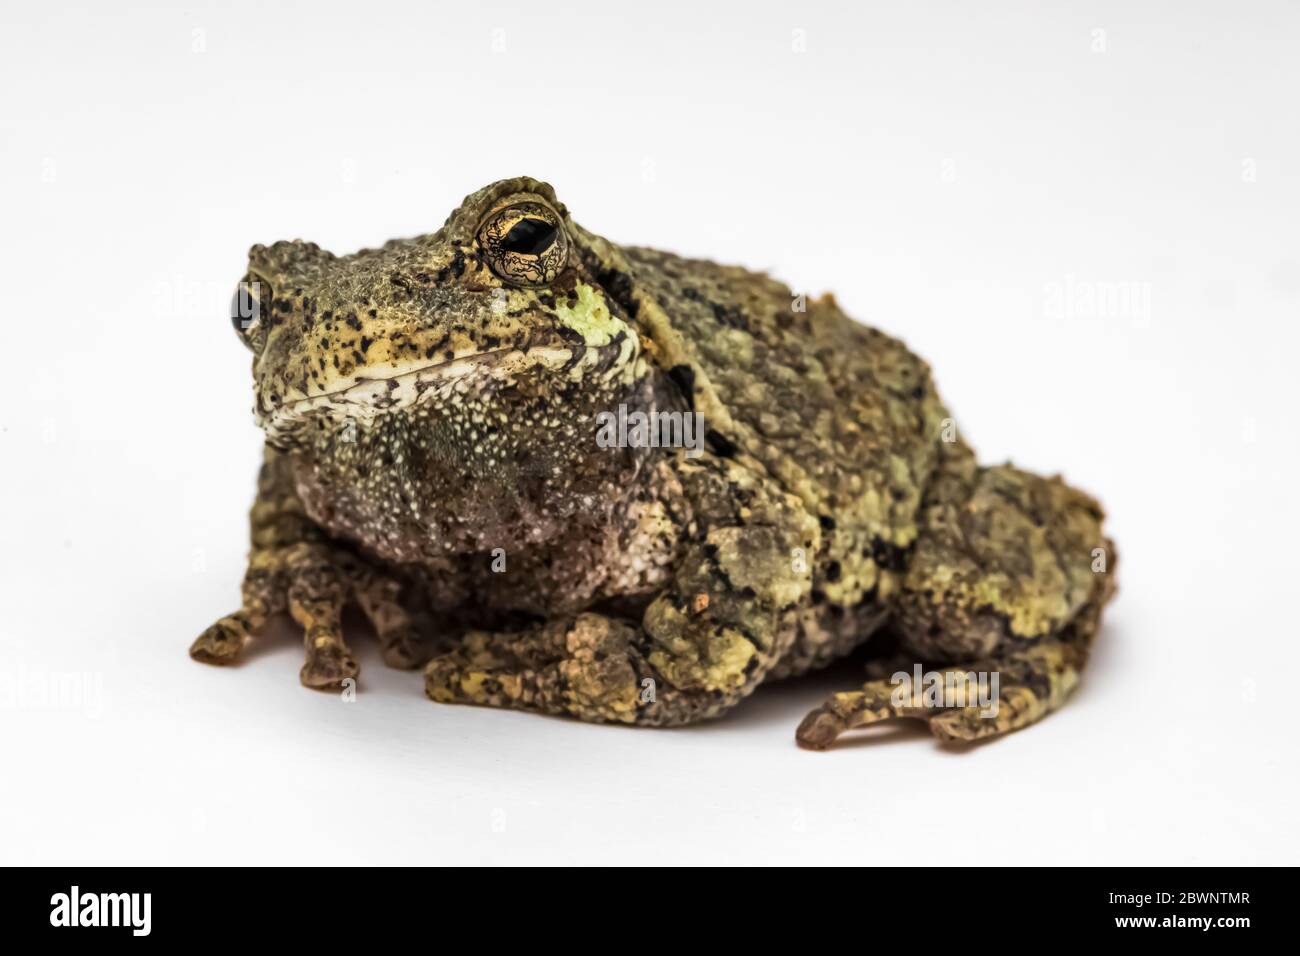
[(372, 396)]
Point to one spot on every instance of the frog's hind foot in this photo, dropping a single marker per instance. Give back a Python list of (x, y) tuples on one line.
[(960, 704), (848, 711)]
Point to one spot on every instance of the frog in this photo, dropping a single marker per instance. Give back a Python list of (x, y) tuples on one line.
[(438, 463)]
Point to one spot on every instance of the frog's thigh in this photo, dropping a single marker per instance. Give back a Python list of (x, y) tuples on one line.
[(1002, 559), (1007, 582)]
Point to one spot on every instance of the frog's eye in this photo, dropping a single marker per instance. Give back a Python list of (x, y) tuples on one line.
[(525, 244), (252, 295)]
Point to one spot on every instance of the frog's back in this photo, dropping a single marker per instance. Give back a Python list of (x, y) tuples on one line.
[(842, 415)]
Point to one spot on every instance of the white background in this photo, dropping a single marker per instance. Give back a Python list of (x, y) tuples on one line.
[(962, 175)]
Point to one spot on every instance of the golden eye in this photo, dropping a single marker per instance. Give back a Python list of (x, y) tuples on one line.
[(525, 244)]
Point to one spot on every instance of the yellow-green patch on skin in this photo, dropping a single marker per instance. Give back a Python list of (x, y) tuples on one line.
[(723, 669), (590, 317), (1031, 611), (732, 653)]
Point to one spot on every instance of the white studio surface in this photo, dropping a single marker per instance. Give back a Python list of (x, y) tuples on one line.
[(1084, 218)]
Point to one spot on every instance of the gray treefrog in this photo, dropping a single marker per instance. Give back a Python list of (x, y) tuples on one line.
[(431, 415)]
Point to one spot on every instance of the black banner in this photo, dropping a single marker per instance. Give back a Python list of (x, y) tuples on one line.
[(131, 907)]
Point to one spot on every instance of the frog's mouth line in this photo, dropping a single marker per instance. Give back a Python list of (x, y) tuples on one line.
[(370, 397)]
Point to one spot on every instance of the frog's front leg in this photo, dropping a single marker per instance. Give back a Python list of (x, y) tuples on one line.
[(1008, 580), (702, 644), (295, 566)]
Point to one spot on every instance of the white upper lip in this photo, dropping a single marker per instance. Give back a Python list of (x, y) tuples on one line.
[(367, 398), (405, 385)]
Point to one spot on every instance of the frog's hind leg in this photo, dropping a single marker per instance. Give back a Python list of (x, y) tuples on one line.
[(1007, 583)]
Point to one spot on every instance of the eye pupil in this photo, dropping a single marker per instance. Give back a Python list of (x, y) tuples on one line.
[(525, 244), (245, 306), (529, 237)]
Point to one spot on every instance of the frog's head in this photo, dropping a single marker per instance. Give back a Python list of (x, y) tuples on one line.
[(485, 349), (499, 294)]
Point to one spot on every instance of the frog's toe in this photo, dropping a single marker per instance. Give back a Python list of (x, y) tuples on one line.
[(404, 648), (819, 729), (224, 641), (962, 725), (451, 679), (1048, 676), (847, 711), (328, 665)]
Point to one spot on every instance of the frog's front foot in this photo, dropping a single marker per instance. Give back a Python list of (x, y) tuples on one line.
[(313, 581), (379, 596)]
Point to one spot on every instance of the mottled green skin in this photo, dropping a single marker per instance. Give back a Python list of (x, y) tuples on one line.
[(431, 455)]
